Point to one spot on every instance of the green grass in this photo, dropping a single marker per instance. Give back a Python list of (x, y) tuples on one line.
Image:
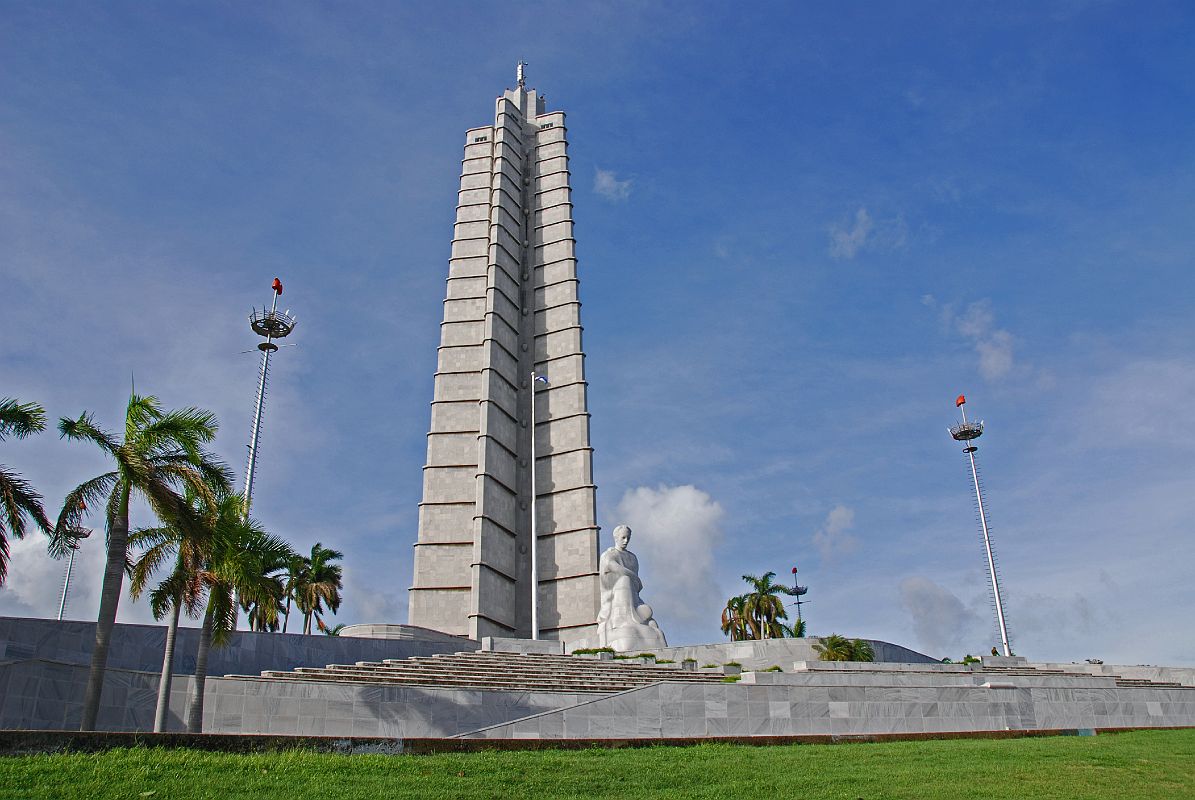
[(1140, 764)]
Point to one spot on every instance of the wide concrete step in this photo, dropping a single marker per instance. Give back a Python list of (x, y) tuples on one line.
[(450, 682), (489, 670), (659, 673)]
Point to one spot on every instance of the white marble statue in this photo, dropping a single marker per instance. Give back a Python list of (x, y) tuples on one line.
[(624, 621)]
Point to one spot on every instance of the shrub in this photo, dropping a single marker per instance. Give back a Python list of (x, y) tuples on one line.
[(731, 678), (774, 668), (588, 651)]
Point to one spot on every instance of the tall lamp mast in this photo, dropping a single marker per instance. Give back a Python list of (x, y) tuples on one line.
[(269, 325), (966, 432)]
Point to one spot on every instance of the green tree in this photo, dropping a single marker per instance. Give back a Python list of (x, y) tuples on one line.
[(265, 612), (235, 564), (160, 455), (794, 631), (734, 619), (180, 591), (334, 630), (839, 648), (18, 500), (318, 582), (290, 583), (763, 606)]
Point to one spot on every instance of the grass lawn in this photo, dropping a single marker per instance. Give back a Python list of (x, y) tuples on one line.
[(1153, 764)]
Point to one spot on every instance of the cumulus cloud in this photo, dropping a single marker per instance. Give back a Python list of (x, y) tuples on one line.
[(977, 323), (675, 532), (34, 585), (832, 538), (941, 621), (606, 184)]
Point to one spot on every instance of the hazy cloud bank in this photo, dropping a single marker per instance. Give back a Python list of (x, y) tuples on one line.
[(675, 533)]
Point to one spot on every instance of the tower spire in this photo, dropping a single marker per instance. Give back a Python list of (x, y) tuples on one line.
[(520, 77)]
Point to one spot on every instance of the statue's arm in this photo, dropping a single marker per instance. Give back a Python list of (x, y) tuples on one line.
[(618, 569)]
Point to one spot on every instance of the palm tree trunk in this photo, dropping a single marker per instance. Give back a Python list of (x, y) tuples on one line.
[(286, 617), (118, 538), (163, 708), (195, 707)]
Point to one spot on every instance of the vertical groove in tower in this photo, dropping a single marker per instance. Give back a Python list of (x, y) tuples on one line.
[(512, 308)]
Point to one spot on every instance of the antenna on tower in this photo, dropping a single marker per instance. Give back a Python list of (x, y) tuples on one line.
[(520, 77), (269, 325), (799, 592), (967, 432)]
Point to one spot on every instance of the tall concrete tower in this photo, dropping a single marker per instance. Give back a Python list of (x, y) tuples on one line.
[(511, 314)]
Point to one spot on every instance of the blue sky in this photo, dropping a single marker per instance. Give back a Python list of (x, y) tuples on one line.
[(801, 232)]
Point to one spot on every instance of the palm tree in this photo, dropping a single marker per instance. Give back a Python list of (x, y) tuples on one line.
[(180, 591), (834, 648), (265, 612), (236, 564), (318, 582), (794, 631), (294, 572), (763, 607), (334, 630), (160, 455), (18, 500), (839, 648), (861, 650), (734, 620)]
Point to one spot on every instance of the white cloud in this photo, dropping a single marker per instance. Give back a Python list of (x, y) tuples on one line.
[(941, 621), (606, 184), (832, 538), (34, 585), (993, 345), (845, 243), (867, 233), (675, 532)]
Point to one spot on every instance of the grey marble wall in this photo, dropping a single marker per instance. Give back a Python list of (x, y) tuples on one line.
[(44, 695), (789, 705), (324, 709), (48, 695), (140, 647)]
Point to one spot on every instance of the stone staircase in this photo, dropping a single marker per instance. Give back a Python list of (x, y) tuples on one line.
[(497, 671), (1120, 680)]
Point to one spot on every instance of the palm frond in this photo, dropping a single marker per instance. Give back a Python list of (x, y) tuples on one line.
[(94, 492), (151, 559), (18, 500), (85, 429), (185, 429), (20, 419), (140, 412)]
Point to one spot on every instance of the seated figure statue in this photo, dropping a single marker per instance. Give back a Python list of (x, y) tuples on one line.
[(624, 622)]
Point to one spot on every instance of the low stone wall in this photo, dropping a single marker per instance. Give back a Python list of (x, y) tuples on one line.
[(46, 695), (38, 694), (140, 647), (779, 704)]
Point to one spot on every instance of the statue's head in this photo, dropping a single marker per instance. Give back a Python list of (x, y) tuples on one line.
[(622, 537)]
